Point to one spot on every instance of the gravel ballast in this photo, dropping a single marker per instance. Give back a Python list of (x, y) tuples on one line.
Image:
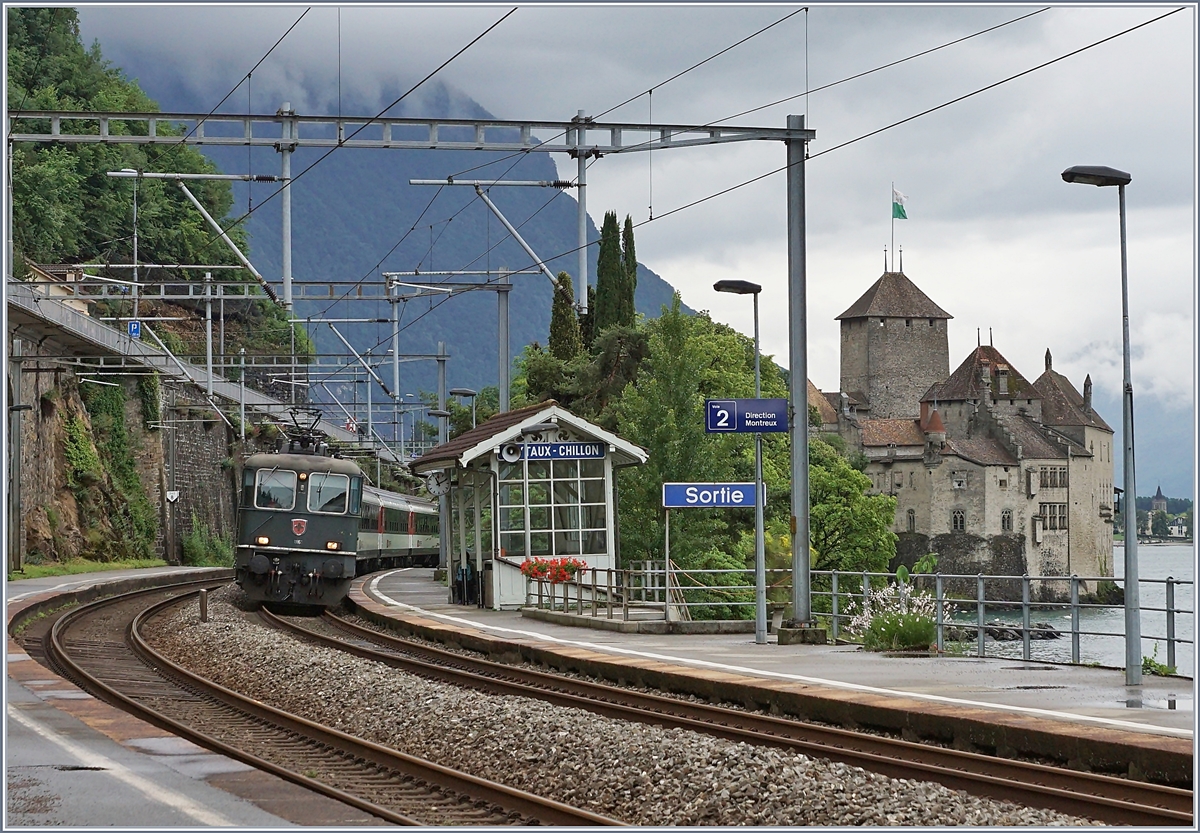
[(639, 774)]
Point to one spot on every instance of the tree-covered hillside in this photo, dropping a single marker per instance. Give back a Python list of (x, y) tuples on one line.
[(65, 207)]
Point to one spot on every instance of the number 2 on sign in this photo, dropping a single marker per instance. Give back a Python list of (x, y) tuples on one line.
[(722, 415)]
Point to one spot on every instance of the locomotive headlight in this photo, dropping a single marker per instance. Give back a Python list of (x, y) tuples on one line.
[(303, 476), (262, 540), (332, 545)]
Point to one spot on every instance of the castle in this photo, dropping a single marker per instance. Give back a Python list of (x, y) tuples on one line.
[(996, 474)]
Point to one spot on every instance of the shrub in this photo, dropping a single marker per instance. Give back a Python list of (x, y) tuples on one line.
[(202, 548), (894, 631)]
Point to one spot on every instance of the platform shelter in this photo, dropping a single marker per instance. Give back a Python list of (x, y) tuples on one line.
[(534, 482)]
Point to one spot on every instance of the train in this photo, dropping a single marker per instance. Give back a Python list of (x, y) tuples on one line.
[(308, 524)]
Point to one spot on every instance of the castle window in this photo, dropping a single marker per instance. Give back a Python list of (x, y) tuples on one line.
[(1003, 482), (1053, 477), (910, 480), (1006, 520), (912, 520), (958, 521), (1055, 515), (930, 322), (908, 323), (959, 480)]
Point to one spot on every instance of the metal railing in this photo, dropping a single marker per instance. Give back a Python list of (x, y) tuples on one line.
[(607, 590), (962, 603), (1052, 589)]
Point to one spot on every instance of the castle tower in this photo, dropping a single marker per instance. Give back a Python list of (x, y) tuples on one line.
[(894, 347)]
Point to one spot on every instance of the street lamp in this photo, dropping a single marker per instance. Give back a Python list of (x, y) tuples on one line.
[(1102, 176), (469, 394), (760, 558), (440, 414)]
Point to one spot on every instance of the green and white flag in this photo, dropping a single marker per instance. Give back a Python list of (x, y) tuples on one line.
[(898, 202)]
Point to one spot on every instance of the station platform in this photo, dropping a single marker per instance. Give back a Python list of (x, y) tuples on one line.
[(72, 760), (1015, 707)]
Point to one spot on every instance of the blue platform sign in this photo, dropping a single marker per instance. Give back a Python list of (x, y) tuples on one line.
[(708, 495), (563, 451), (745, 416), (135, 329)]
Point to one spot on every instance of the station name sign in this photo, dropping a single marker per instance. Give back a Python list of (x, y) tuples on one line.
[(707, 495), (745, 416), (563, 451)]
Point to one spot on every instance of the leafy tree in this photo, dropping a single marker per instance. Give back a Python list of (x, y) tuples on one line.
[(610, 276), (65, 206), (628, 311), (1143, 521), (565, 340), (1158, 525), (599, 378), (850, 530), (543, 376), (664, 413)]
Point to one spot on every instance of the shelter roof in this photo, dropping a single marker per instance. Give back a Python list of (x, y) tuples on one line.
[(886, 432), (894, 296), (967, 381), (1062, 404), (508, 427)]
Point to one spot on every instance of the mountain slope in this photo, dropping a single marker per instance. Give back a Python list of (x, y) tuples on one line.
[(353, 208)]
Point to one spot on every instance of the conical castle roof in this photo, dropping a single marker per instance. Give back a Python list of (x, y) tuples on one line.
[(894, 296)]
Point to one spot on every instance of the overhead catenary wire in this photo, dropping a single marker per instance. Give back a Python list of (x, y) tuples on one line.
[(520, 154), (366, 123), (172, 146), (898, 123), (925, 112), (866, 135)]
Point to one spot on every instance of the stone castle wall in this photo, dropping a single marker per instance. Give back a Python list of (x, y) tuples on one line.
[(894, 361)]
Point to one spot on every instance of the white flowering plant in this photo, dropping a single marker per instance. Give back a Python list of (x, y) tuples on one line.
[(896, 617)]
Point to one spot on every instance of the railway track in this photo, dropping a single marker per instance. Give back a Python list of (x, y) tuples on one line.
[(1103, 798), (99, 646)]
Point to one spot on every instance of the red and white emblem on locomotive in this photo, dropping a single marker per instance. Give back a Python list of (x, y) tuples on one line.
[(299, 525)]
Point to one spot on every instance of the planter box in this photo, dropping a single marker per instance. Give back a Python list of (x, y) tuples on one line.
[(803, 636)]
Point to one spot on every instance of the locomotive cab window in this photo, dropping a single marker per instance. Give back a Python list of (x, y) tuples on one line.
[(275, 489), (328, 492)]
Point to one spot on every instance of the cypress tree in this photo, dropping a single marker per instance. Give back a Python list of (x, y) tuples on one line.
[(565, 340), (610, 278), (587, 321), (629, 262)]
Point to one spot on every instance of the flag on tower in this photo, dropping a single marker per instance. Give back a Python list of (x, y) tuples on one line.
[(898, 203)]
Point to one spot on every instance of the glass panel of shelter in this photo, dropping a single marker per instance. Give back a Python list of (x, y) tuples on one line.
[(577, 526)]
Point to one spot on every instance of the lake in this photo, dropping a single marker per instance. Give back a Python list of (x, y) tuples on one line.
[(1154, 562)]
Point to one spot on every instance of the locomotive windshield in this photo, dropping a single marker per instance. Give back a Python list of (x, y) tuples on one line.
[(275, 489), (327, 492)]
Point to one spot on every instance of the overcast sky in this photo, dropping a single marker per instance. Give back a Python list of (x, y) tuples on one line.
[(994, 235)]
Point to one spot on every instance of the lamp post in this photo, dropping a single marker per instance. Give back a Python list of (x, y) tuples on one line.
[(760, 556), (466, 393), (1102, 176)]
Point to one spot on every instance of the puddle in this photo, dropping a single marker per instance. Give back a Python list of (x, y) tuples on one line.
[(1170, 703), (1029, 668), (1032, 687)]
